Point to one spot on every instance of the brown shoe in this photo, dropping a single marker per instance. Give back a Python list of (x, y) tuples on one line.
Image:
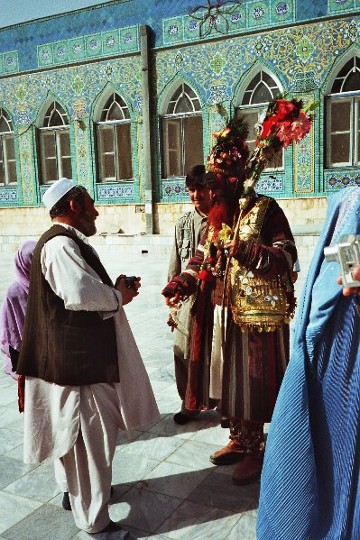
[(248, 470), (231, 453)]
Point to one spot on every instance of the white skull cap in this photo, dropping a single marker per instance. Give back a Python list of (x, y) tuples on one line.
[(56, 191)]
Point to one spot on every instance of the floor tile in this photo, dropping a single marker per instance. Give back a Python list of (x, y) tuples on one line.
[(9, 439), (152, 446), (38, 484), (174, 480), (244, 528), (218, 490), (140, 506), (198, 522), (164, 484), (13, 509), (131, 469), (11, 470), (46, 523), (194, 454)]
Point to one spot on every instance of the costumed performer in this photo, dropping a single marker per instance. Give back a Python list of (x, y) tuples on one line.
[(242, 276)]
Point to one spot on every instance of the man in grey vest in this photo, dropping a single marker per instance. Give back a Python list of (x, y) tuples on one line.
[(189, 229), (76, 352)]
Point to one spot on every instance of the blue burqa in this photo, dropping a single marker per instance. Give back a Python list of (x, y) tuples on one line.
[(310, 479)]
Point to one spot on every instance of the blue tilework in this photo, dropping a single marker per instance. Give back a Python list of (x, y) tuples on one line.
[(26, 37)]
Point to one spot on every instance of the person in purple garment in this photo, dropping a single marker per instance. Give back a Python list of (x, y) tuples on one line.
[(12, 314)]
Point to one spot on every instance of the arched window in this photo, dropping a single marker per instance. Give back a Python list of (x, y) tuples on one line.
[(113, 136), (54, 145), (260, 91), (7, 150), (182, 133), (343, 117)]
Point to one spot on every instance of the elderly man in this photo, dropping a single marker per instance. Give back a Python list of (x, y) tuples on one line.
[(80, 360)]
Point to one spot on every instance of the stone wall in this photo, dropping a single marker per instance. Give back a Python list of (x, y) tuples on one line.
[(18, 224), (304, 215)]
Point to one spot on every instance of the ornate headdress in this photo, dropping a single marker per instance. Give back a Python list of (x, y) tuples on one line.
[(229, 155)]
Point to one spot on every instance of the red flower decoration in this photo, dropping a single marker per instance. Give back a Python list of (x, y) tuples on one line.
[(285, 121), (204, 275)]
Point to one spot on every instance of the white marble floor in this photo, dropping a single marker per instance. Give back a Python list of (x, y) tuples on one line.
[(164, 484)]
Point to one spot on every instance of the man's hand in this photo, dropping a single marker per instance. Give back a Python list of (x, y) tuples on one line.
[(347, 291), (127, 293), (173, 301)]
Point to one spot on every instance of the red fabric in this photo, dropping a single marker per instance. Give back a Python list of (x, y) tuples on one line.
[(254, 363)]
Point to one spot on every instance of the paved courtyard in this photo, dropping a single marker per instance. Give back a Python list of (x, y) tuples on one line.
[(164, 484)]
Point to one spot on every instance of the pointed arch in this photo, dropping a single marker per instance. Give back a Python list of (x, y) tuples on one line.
[(257, 88), (181, 123), (258, 82), (53, 141), (342, 111), (113, 137), (7, 150), (338, 65), (172, 86)]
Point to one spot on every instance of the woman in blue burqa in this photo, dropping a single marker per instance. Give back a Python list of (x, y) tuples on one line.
[(310, 480)]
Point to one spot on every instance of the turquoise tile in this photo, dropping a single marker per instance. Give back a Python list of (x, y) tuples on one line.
[(237, 19), (110, 42), (282, 11), (93, 45), (77, 50), (45, 55), (340, 6), (173, 30), (11, 62), (192, 27), (129, 39), (258, 13), (60, 52)]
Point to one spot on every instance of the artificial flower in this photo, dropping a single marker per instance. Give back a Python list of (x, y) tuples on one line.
[(285, 121), (225, 234), (205, 275)]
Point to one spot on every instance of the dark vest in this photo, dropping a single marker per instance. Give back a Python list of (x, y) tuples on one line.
[(60, 345)]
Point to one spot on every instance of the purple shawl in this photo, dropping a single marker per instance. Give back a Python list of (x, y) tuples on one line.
[(12, 312)]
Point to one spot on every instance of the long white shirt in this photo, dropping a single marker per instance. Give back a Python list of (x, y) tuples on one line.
[(51, 416)]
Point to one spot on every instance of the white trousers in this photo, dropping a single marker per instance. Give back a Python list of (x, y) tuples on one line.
[(216, 364), (86, 470)]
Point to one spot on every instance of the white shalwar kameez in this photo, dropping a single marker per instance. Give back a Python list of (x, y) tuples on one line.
[(79, 424)]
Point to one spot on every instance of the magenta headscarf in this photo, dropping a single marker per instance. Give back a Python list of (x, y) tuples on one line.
[(12, 314)]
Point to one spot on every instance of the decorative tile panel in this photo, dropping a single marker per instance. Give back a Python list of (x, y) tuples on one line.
[(9, 63), (233, 19), (338, 179), (258, 13), (77, 49), (8, 196), (305, 81), (174, 190), (173, 30), (115, 193), (304, 170), (271, 183), (282, 11), (110, 43), (27, 160), (129, 39), (341, 6)]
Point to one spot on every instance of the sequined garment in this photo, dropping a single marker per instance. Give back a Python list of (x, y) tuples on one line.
[(254, 362)]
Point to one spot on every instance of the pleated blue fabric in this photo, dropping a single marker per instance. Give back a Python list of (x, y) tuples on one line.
[(310, 480)]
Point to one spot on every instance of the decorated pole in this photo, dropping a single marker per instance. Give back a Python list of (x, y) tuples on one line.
[(285, 121)]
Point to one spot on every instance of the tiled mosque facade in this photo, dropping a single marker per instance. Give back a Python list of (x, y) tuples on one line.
[(135, 55)]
